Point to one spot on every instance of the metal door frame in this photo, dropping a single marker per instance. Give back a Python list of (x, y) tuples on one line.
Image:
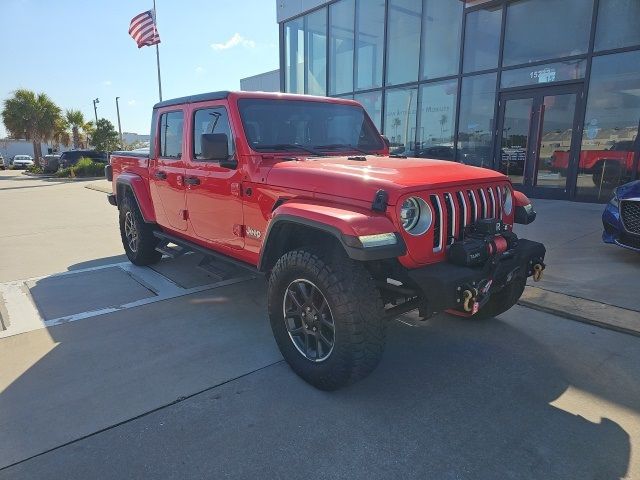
[(537, 94)]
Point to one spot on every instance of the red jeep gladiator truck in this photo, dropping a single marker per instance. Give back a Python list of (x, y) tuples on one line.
[(303, 190), (607, 166)]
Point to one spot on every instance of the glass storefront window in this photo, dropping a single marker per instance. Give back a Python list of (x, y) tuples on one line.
[(543, 29), (294, 56), (316, 29), (552, 72), (617, 24), (400, 119), (476, 123), (482, 39), (403, 42), (341, 46), (436, 124), (441, 28), (372, 103), (610, 126), (369, 43)]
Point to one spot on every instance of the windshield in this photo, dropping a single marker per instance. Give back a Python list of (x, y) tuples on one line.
[(313, 127)]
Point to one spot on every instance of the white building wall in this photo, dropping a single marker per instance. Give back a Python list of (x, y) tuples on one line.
[(264, 82), (10, 147)]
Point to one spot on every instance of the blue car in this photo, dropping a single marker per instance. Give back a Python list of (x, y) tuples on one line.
[(621, 218)]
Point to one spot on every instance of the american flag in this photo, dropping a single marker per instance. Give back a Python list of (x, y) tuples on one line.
[(143, 29)]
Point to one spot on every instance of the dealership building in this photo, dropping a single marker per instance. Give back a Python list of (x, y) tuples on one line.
[(546, 91)]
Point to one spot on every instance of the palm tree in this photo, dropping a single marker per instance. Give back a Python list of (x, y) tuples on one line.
[(75, 119), (31, 116), (88, 128), (61, 134)]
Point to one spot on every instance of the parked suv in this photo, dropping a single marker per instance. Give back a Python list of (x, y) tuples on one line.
[(70, 158), (50, 163)]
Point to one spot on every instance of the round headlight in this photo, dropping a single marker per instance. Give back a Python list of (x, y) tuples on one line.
[(409, 213), (415, 216), (508, 201)]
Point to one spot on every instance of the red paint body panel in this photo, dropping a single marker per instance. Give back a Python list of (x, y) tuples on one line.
[(590, 159), (333, 190), (520, 199)]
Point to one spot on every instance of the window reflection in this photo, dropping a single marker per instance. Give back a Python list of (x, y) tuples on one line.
[(294, 56), (611, 125), (437, 120), (403, 42), (544, 29), (482, 39), (317, 53), (372, 103), (617, 24), (369, 44), (400, 119), (476, 124), (341, 47), (441, 26)]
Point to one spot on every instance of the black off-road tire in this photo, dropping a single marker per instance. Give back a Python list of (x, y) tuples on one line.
[(355, 306), (144, 247), (503, 300)]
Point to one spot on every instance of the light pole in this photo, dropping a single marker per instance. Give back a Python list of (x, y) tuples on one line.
[(95, 109), (119, 127)]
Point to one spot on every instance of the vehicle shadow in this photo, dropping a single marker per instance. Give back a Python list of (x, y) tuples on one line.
[(452, 399)]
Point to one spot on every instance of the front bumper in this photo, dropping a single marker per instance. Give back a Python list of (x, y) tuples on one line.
[(442, 284)]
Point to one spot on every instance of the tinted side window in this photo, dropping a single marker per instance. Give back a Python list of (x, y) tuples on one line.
[(171, 124), (210, 120)]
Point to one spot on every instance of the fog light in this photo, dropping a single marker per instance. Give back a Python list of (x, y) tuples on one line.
[(378, 240)]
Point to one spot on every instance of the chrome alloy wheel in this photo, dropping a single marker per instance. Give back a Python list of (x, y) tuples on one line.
[(131, 232), (309, 320)]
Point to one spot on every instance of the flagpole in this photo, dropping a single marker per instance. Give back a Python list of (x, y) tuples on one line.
[(155, 19)]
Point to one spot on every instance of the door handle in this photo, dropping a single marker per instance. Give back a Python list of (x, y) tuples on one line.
[(160, 175), (192, 180)]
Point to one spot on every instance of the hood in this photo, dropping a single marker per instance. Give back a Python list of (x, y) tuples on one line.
[(361, 179)]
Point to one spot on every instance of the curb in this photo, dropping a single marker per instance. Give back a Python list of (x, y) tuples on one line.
[(582, 310), (38, 175), (63, 179), (99, 188)]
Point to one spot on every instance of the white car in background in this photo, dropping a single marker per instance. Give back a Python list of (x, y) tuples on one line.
[(22, 161)]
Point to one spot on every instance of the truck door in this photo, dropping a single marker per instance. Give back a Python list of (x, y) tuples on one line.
[(213, 190), (166, 171)]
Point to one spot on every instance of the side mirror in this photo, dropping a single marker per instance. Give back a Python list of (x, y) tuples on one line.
[(215, 146)]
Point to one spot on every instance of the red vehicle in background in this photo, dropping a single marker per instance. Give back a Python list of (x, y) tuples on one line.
[(608, 166), (303, 190)]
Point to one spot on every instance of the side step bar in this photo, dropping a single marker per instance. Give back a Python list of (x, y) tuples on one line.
[(184, 246)]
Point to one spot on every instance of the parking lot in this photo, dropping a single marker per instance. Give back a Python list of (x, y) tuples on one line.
[(113, 370)]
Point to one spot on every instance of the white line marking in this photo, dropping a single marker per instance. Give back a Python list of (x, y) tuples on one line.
[(23, 315)]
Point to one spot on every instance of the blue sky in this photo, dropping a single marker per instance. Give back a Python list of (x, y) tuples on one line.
[(77, 50)]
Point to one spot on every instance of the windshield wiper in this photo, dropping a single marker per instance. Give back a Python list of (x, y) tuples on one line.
[(342, 146), (288, 146)]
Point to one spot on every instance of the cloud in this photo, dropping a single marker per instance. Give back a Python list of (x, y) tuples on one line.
[(131, 103), (199, 70), (107, 83), (234, 41)]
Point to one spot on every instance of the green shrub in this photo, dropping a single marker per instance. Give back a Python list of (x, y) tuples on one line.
[(84, 168), (35, 169)]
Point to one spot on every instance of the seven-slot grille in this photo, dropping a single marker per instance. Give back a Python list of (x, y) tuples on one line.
[(453, 211), (630, 210)]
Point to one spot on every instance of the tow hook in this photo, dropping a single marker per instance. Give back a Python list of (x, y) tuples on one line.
[(538, 268), (469, 299)]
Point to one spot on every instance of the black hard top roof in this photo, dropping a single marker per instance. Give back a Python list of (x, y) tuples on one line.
[(203, 97)]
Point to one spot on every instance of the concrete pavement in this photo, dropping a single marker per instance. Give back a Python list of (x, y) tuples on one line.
[(194, 387), (508, 398)]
